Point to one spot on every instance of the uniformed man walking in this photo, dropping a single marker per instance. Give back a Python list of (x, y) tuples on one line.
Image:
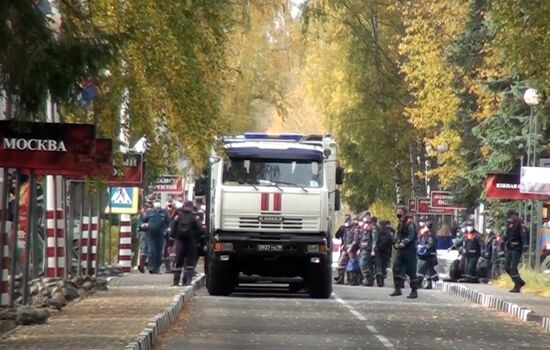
[(186, 231), (405, 259), (513, 238)]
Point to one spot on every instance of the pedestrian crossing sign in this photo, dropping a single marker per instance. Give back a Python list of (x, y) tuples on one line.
[(123, 200)]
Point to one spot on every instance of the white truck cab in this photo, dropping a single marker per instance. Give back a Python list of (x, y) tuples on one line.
[(271, 210)]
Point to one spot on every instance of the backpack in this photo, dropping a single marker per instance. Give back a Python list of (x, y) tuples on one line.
[(384, 243), (185, 226)]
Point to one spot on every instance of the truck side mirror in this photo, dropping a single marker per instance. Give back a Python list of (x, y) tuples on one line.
[(339, 175), (337, 200)]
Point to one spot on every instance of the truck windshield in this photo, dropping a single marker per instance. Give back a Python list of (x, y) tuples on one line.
[(265, 172)]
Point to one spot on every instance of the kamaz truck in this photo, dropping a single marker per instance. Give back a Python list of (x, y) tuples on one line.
[(271, 206)]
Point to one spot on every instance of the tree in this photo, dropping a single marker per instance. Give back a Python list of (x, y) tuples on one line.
[(356, 84)]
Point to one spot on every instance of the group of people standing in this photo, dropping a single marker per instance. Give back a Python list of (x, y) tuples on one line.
[(484, 257), (173, 235), (368, 244)]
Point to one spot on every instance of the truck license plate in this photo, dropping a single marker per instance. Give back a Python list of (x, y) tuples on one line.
[(270, 247)]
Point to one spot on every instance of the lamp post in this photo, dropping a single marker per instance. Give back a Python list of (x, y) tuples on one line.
[(532, 98)]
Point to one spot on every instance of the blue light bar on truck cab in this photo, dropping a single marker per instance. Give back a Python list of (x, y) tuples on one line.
[(265, 136)]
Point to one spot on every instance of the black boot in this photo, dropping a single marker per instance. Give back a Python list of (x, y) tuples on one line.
[(368, 281), (340, 278), (518, 283), (429, 285), (348, 278), (355, 279), (168, 265), (414, 290), (188, 276), (396, 292), (177, 277), (142, 263), (397, 287), (380, 280)]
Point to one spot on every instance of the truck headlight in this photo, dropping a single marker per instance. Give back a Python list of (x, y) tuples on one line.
[(223, 246), (316, 248)]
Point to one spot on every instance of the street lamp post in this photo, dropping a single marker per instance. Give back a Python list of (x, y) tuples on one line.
[(532, 98)]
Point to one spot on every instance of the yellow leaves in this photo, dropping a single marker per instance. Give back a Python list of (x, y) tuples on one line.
[(430, 27)]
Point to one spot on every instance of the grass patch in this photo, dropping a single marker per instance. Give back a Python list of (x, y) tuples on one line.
[(536, 283)]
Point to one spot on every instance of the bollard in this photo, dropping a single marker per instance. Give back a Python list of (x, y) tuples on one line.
[(125, 243), (5, 265), (55, 223), (88, 243)]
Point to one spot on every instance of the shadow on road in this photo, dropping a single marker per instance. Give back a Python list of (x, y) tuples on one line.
[(267, 291)]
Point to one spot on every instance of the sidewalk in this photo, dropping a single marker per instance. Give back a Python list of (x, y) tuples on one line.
[(105, 320), (527, 307)]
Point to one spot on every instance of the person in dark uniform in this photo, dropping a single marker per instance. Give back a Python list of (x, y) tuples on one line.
[(382, 248), (367, 251), (427, 254), (471, 246), (157, 219), (405, 258), (498, 257), (353, 269), (513, 238), (186, 231), (343, 234)]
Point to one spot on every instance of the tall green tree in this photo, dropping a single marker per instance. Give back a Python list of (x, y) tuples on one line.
[(362, 95)]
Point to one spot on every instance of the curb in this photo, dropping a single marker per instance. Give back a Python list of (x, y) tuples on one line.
[(493, 302), (161, 322)]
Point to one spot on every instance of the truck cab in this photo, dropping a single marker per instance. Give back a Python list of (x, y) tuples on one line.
[(271, 211)]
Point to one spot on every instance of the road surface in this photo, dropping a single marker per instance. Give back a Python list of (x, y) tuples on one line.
[(354, 318)]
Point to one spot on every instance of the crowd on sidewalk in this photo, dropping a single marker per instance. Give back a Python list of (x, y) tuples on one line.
[(369, 243), (173, 236)]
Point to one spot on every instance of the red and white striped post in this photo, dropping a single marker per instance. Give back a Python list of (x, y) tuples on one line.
[(55, 223), (125, 243), (5, 265), (88, 232)]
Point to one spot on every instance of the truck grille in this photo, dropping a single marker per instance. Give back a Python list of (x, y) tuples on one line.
[(252, 222)]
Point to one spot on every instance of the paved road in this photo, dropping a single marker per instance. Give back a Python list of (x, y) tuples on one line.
[(354, 318)]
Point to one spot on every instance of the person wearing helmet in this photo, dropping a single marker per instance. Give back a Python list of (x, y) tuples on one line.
[(513, 237), (185, 230), (405, 259), (471, 247), (427, 254), (368, 252), (343, 233), (157, 220)]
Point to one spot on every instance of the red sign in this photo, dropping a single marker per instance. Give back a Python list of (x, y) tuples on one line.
[(168, 184), (506, 186), (442, 199), (132, 173), (412, 205), (423, 207), (100, 163), (55, 147)]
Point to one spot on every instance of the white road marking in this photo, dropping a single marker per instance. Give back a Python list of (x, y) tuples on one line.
[(361, 317)]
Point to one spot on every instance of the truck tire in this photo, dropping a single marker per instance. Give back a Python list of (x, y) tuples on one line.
[(219, 281), (320, 282)]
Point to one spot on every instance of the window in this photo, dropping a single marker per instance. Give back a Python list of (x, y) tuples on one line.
[(271, 172)]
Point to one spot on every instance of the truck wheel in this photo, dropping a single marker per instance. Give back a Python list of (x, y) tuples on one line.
[(320, 282), (219, 280)]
